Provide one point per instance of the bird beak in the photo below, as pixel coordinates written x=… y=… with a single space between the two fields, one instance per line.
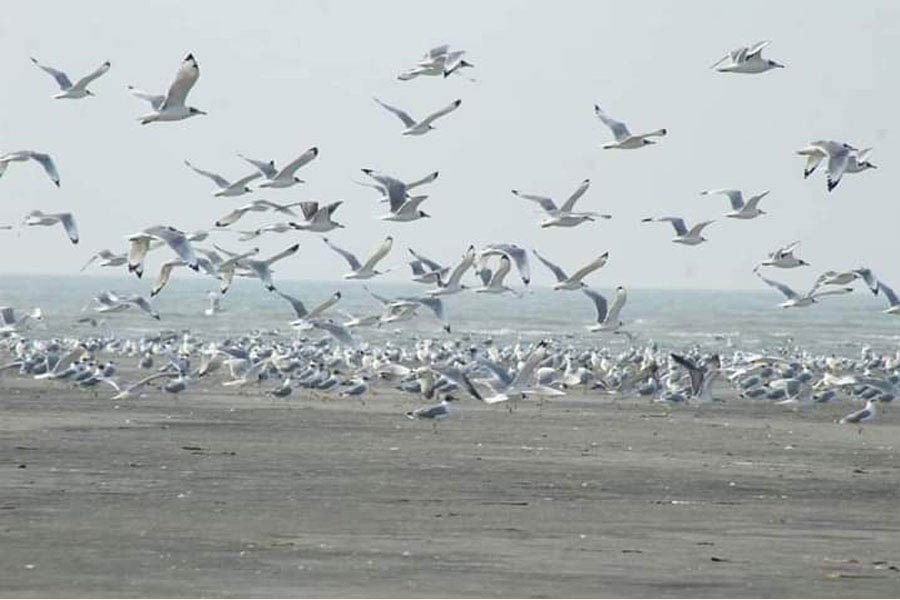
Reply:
x=777 y=65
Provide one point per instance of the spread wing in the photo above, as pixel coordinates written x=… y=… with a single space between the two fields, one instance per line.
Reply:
x=441 y=113
x=619 y=130
x=267 y=168
x=61 y=78
x=283 y=254
x=734 y=196
x=592 y=266
x=217 y=179
x=48 y=164
x=784 y=289
x=296 y=304
x=87 y=79
x=68 y=223
x=677 y=223
x=187 y=76
x=379 y=253
x=156 y=100
x=569 y=204
x=599 y=303
x=403 y=116
x=617 y=304
x=546 y=203
x=555 y=269
x=351 y=260
x=305 y=158
x=696 y=229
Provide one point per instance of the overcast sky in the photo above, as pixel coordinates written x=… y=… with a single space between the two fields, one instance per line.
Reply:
x=280 y=77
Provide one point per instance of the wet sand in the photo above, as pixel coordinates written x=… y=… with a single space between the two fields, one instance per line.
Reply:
x=212 y=493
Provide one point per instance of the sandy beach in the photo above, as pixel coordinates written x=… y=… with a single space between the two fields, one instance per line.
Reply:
x=214 y=493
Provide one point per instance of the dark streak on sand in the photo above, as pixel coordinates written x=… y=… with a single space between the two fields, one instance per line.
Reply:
x=250 y=496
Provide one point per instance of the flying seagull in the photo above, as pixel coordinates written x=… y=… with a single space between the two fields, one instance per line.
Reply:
x=23 y=155
x=172 y=108
x=684 y=236
x=227 y=189
x=70 y=90
x=741 y=209
x=564 y=281
x=39 y=218
x=364 y=270
x=625 y=140
x=563 y=216
x=746 y=59
x=414 y=127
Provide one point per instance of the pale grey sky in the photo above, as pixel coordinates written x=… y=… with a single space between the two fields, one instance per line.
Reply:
x=279 y=77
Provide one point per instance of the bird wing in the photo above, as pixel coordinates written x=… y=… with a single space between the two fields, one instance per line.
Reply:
x=165 y=272
x=677 y=223
x=519 y=256
x=619 y=129
x=546 y=203
x=534 y=359
x=734 y=196
x=784 y=289
x=427 y=179
x=156 y=100
x=87 y=79
x=325 y=304
x=61 y=78
x=351 y=260
x=837 y=164
x=243 y=181
x=754 y=200
x=407 y=120
x=464 y=265
x=569 y=204
x=501 y=272
x=380 y=252
x=888 y=293
x=696 y=229
x=756 y=48
x=599 y=302
x=592 y=266
x=433 y=266
x=177 y=241
x=338 y=332
x=442 y=112
x=617 y=304
x=695 y=372
x=137 y=250
x=283 y=254
x=555 y=269
x=305 y=158
x=218 y=179
x=48 y=164
x=266 y=167
x=68 y=223
x=187 y=76
x=233 y=217
x=309 y=209
x=296 y=304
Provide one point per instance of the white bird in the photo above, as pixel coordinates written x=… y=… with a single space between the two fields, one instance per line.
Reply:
x=563 y=216
x=433 y=413
x=607 y=316
x=783 y=258
x=741 y=209
x=684 y=236
x=702 y=376
x=495 y=285
x=176 y=240
x=70 y=90
x=172 y=108
x=453 y=284
x=317 y=217
x=256 y=206
x=845 y=277
x=515 y=253
x=39 y=157
x=317 y=311
x=227 y=189
x=796 y=300
x=746 y=59
x=108 y=258
x=262 y=268
x=624 y=138
x=286 y=177
x=422 y=127
x=434 y=270
x=863 y=415
x=215 y=304
x=165 y=273
x=39 y=218
x=838 y=154
x=364 y=270
x=564 y=281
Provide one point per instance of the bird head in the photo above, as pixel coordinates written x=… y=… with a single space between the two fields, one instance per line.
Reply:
x=867 y=165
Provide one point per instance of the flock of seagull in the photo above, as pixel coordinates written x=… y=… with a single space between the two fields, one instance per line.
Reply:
x=341 y=363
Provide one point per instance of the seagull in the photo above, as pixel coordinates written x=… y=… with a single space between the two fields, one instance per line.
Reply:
x=172 y=108
x=422 y=127
x=563 y=216
x=262 y=268
x=176 y=240
x=702 y=376
x=607 y=316
x=453 y=285
x=858 y=162
x=39 y=218
x=563 y=281
x=265 y=167
x=227 y=189
x=863 y=415
x=256 y=206
x=515 y=253
x=79 y=89
x=366 y=270
x=317 y=217
x=437 y=61
x=784 y=258
x=434 y=272
x=108 y=258
x=624 y=139
x=404 y=308
x=741 y=209
x=286 y=176
x=893 y=301
x=433 y=413
x=392 y=189
x=838 y=154
x=796 y=300
x=495 y=285
x=688 y=238
x=317 y=311
x=835 y=278
x=746 y=59
x=23 y=155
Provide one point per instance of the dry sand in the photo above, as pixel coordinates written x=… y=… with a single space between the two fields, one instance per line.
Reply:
x=212 y=493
